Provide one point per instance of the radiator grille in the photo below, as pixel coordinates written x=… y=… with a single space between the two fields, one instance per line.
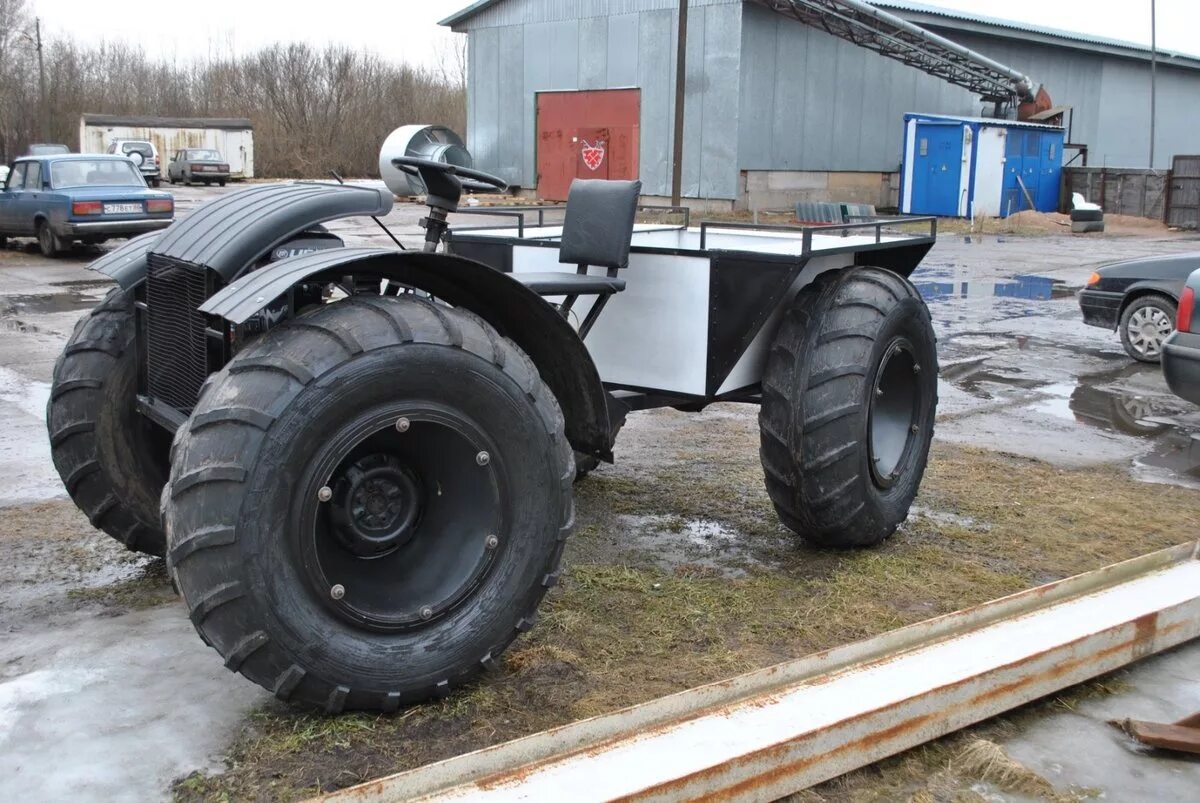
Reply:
x=176 y=343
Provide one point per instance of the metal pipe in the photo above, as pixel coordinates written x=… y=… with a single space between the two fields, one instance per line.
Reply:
x=1021 y=84
x=680 y=87
x=1153 y=77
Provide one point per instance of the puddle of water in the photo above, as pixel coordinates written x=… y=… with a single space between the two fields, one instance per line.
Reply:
x=48 y=303
x=1022 y=286
x=673 y=543
x=1057 y=401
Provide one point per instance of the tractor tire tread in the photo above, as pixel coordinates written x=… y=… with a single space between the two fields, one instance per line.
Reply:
x=204 y=559
x=808 y=431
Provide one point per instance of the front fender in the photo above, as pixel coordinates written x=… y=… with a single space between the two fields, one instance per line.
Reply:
x=232 y=233
x=515 y=311
x=1166 y=287
x=127 y=264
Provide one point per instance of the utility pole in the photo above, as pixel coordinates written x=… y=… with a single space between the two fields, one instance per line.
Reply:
x=680 y=86
x=45 y=112
x=1153 y=76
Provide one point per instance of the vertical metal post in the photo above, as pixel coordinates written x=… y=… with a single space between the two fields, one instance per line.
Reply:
x=680 y=85
x=42 y=107
x=1153 y=76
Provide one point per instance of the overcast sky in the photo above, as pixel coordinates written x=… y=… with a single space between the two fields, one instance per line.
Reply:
x=408 y=30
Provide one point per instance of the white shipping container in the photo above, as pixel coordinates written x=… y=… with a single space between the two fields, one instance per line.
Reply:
x=233 y=137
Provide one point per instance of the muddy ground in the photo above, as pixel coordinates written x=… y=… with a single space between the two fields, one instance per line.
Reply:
x=1054 y=454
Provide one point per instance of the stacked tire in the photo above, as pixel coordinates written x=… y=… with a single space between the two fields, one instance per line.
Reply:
x=1085 y=221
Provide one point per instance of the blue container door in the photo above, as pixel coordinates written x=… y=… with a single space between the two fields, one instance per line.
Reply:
x=1051 y=172
x=937 y=169
x=1022 y=165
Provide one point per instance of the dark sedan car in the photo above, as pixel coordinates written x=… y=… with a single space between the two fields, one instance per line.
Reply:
x=1181 y=352
x=88 y=197
x=198 y=164
x=1138 y=298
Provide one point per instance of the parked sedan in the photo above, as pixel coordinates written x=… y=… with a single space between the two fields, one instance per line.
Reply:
x=88 y=197
x=198 y=164
x=1181 y=352
x=1138 y=298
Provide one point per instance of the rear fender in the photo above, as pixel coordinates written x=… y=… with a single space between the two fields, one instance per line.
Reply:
x=512 y=309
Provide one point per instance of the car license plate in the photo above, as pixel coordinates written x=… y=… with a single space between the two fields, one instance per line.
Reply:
x=122 y=209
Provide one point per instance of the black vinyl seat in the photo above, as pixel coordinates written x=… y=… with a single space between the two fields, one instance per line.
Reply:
x=597 y=233
x=568 y=284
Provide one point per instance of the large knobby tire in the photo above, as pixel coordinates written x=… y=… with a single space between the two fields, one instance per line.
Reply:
x=1145 y=325
x=112 y=460
x=368 y=503
x=849 y=397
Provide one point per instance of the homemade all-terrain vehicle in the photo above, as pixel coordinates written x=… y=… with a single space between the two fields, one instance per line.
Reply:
x=358 y=462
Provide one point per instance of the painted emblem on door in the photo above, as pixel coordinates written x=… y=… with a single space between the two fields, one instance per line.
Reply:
x=593 y=155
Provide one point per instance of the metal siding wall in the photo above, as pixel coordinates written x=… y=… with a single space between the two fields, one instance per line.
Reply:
x=512 y=126
x=693 y=113
x=593 y=53
x=622 y=62
x=483 y=137
x=536 y=76
x=656 y=77
x=722 y=55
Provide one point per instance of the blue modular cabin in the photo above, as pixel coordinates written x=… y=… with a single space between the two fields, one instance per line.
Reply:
x=972 y=166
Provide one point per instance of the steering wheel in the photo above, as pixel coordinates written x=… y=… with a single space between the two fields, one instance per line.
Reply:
x=424 y=168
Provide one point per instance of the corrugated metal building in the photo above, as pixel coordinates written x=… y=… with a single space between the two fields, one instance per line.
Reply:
x=777 y=111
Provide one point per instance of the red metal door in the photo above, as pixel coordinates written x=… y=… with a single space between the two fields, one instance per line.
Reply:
x=587 y=134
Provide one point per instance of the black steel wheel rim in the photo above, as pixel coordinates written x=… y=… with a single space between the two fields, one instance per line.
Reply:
x=402 y=513
x=893 y=423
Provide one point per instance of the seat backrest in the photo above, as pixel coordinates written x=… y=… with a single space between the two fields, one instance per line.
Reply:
x=599 y=223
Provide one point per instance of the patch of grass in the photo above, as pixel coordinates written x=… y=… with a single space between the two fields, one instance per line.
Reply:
x=620 y=630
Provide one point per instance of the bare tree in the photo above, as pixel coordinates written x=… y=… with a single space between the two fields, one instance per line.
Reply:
x=313 y=109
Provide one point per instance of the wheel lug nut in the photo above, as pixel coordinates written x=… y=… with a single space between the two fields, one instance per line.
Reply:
x=402 y=424
x=338 y=591
x=426 y=612
x=915 y=429
x=878 y=391
x=916 y=368
x=325 y=494
x=483 y=458
x=492 y=542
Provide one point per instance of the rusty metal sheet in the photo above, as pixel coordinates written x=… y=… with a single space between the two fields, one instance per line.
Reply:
x=769 y=733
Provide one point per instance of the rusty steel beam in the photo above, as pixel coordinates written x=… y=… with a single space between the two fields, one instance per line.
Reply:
x=773 y=732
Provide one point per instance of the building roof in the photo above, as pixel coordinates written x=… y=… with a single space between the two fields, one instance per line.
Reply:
x=468 y=12
x=961 y=20
x=953 y=18
x=228 y=123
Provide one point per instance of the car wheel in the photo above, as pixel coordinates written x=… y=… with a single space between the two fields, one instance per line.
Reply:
x=1145 y=324
x=155 y=182
x=221 y=183
x=48 y=241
